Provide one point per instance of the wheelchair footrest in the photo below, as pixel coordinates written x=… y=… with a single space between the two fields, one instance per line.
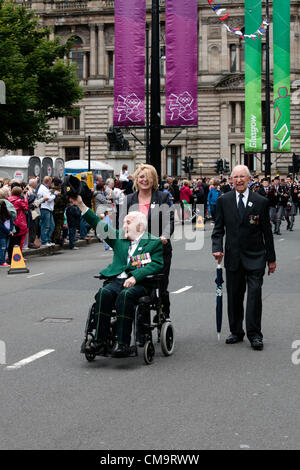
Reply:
x=133 y=351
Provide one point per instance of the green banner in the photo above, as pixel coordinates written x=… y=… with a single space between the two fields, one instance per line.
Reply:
x=282 y=90
x=253 y=112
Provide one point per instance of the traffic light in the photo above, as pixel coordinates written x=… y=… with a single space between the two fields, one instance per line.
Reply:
x=296 y=163
x=185 y=165
x=226 y=167
x=219 y=166
x=191 y=163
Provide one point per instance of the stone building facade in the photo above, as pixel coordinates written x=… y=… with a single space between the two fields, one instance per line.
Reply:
x=221 y=100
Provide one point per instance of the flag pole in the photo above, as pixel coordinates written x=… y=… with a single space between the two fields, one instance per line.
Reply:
x=268 y=105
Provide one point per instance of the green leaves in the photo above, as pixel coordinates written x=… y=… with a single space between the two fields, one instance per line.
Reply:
x=40 y=85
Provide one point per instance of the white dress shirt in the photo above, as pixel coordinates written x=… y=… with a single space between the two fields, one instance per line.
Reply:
x=245 y=198
x=44 y=191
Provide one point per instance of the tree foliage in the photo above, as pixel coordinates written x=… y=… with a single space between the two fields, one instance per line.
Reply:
x=40 y=85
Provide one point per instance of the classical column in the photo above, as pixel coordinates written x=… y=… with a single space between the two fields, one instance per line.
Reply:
x=225 y=54
x=84 y=72
x=93 y=50
x=101 y=50
x=52 y=34
x=224 y=149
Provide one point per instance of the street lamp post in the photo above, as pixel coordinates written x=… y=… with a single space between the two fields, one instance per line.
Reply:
x=155 y=125
x=268 y=111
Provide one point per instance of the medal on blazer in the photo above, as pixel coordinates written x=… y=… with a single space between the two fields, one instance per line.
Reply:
x=254 y=219
x=140 y=260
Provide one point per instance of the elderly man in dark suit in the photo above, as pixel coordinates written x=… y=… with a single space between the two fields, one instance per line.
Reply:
x=249 y=246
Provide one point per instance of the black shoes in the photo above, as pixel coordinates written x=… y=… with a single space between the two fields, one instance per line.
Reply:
x=257 y=344
x=121 y=350
x=233 y=339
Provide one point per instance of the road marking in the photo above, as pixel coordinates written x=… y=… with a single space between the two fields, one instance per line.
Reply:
x=34 y=275
x=281 y=240
x=30 y=359
x=182 y=290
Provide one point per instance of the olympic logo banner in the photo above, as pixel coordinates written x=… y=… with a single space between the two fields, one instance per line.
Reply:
x=282 y=98
x=253 y=111
x=181 y=63
x=130 y=55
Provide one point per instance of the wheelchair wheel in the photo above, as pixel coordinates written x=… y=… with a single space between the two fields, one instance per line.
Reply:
x=90 y=356
x=149 y=352
x=167 y=338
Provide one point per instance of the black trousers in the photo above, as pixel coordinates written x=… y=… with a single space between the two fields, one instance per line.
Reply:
x=111 y=295
x=237 y=282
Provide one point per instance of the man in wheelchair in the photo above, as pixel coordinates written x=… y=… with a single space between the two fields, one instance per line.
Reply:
x=137 y=254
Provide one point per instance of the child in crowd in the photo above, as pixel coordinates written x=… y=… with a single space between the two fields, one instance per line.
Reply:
x=6 y=230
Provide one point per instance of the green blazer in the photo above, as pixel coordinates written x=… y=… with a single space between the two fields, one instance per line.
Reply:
x=115 y=239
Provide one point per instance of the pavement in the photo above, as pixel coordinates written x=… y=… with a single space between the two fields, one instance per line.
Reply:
x=50 y=250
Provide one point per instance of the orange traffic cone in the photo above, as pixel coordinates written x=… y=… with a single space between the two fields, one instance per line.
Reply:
x=17 y=264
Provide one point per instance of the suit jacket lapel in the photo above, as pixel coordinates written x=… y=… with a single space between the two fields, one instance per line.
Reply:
x=124 y=247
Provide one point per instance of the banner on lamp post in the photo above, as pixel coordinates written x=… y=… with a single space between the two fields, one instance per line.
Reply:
x=130 y=54
x=253 y=111
x=181 y=63
x=282 y=98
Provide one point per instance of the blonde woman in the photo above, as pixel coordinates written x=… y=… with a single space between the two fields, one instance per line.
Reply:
x=155 y=205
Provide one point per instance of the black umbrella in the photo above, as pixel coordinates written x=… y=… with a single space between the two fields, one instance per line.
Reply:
x=219 y=305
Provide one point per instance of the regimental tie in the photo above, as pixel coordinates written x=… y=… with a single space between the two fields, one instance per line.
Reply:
x=241 y=206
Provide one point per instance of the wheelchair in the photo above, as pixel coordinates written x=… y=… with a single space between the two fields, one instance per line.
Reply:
x=148 y=317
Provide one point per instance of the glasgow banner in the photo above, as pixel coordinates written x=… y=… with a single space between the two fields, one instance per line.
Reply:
x=129 y=78
x=182 y=62
x=282 y=99
x=253 y=112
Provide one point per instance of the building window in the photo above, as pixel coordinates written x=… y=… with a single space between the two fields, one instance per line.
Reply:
x=233 y=156
x=233 y=58
x=110 y=55
x=174 y=161
x=233 y=117
x=243 y=116
x=72 y=153
x=76 y=55
x=250 y=160
x=72 y=126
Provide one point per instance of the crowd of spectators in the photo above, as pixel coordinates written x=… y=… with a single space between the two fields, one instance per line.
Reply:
x=35 y=214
